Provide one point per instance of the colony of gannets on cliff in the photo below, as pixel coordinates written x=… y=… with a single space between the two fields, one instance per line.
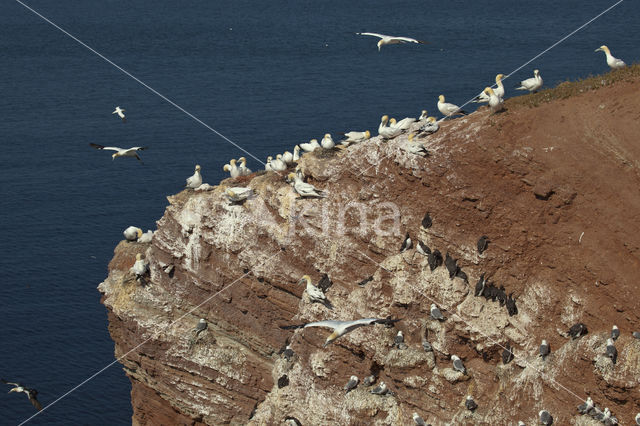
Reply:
x=387 y=39
x=121 y=152
x=614 y=63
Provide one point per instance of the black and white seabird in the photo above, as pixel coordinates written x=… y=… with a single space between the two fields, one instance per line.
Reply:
x=406 y=244
x=545 y=418
x=638 y=419
x=483 y=243
x=479 y=286
x=501 y=295
x=611 y=351
x=121 y=152
x=292 y=421
x=31 y=393
x=451 y=264
x=427 y=346
x=615 y=332
x=507 y=354
x=544 y=349
x=426 y=221
x=419 y=421
x=512 y=309
x=351 y=384
x=283 y=381
x=200 y=327
x=325 y=283
x=462 y=275
x=435 y=313
x=369 y=380
x=316 y=295
x=470 y=403
x=434 y=259
x=398 y=341
x=458 y=365
x=381 y=389
x=423 y=249
x=577 y=330
x=586 y=406
x=288 y=353
x=341 y=328
x=365 y=281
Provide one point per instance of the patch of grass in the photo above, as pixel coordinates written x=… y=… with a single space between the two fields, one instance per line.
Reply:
x=568 y=89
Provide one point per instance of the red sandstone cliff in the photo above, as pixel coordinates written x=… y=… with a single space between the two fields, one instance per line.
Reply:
x=554 y=184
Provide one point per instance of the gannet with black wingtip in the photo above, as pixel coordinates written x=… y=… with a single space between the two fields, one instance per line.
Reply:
x=387 y=39
x=244 y=170
x=196 y=180
x=531 y=84
x=428 y=128
x=140 y=267
x=499 y=91
x=327 y=142
x=415 y=147
x=287 y=157
x=315 y=294
x=340 y=328
x=121 y=152
x=448 y=109
x=614 y=63
x=311 y=146
x=355 y=137
x=238 y=194
x=304 y=189
x=278 y=164
x=31 y=393
x=120 y=112
x=495 y=103
x=387 y=132
x=132 y=233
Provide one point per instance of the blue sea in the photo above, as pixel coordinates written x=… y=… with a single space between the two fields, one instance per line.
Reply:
x=267 y=75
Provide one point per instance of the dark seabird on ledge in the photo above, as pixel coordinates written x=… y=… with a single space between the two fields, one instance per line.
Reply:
x=434 y=259
x=611 y=351
x=544 y=349
x=577 y=330
x=507 y=354
x=512 y=309
x=31 y=393
x=451 y=264
x=423 y=249
x=545 y=418
x=462 y=275
x=470 y=403
x=483 y=243
x=351 y=384
x=615 y=332
x=426 y=221
x=325 y=283
x=200 y=327
x=479 y=286
x=406 y=243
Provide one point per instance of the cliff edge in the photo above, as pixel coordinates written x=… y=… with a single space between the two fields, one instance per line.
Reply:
x=553 y=182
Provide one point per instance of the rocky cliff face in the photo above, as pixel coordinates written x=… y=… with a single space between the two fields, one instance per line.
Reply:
x=555 y=186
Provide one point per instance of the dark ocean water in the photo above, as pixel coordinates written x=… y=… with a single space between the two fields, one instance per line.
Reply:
x=267 y=75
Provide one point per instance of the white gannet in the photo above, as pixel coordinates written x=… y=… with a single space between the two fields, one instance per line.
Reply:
x=614 y=63
x=431 y=126
x=351 y=384
x=31 y=393
x=120 y=112
x=495 y=103
x=196 y=180
x=267 y=166
x=244 y=170
x=132 y=233
x=458 y=365
x=385 y=131
x=278 y=164
x=232 y=168
x=499 y=91
x=415 y=147
x=435 y=313
x=304 y=189
x=315 y=294
x=404 y=124
x=311 y=146
x=147 y=237
x=341 y=328
x=448 y=109
x=531 y=84
x=287 y=157
x=296 y=153
x=327 y=142
x=355 y=137
x=140 y=267
x=423 y=115
x=238 y=194
x=121 y=152
x=387 y=39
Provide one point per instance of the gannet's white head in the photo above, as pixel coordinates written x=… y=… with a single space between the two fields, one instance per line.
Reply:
x=333 y=336
x=313 y=141
x=139 y=232
x=226 y=168
x=367 y=134
x=279 y=156
x=291 y=177
x=431 y=119
x=327 y=135
x=536 y=72
x=603 y=48
x=488 y=91
x=441 y=98
x=499 y=77
x=392 y=121
x=305 y=278
x=232 y=162
x=242 y=160
x=197 y=167
x=424 y=113
x=269 y=158
x=384 y=118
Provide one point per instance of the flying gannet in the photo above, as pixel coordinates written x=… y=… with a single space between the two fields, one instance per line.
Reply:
x=327 y=142
x=311 y=146
x=304 y=189
x=355 y=137
x=531 y=84
x=315 y=294
x=244 y=170
x=340 y=328
x=238 y=194
x=121 y=152
x=351 y=384
x=614 y=63
x=385 y=131
x=448 y=109
x=196 y=180
x=386 y=39
x=120 y=112
x=495 y=102
x=545 y=418
x=499 y=91
x=132 y=233
x=31 y=393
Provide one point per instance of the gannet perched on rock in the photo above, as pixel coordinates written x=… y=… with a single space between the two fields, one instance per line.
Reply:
x=387 y=39
x=351 y=384
x=296 y=153
x=315 y=294
x=499 y=91
x=267 y=165
x=120 y=112
x=232 y=169
x=531 y=84
x=278 y=165
x=121 y=152
x=238 y=194
x=495 y=102
x=244 y=170
x=287 y=157
x=304 y=189
x=31 y=393
x=140 y=267
x=340 y=328
x=196 y=180
x=448 y=109
x=431 y=126
x=404 y=124
x=311 y=146
x=458 y=365
x=355 y=137
x=423 y=115
x=132 y=233
x=385 y=131
x=146 y=238
x=545 y=418
x=327 y=142
x=614 y=63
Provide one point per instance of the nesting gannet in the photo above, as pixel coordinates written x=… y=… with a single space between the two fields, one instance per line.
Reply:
x=406 y=243
x=495 y=102
x=483 y=243
x=577 y=330
x=419 y=421
x=611 y=351
x=415 y=148
x=311 y=146
x=238 y=194
x=422 y=248
x=147 y=237
x=351 y=384
x=614 y=63
x=545 y=418
x=615 y=332
x=232 y=168
x=531 y=84
x=448 y=109
x=457 y=364
x=385 y=131
x=121 y=152
x=586 y=406
x=499 y=91
x=404 y=124
x=287 y=157
x=200 y=327
x=278 y=164
x=296 y=153
x=31 y=393
x=544 y=349
x=387 y=39
x=470 y=403
x=340 y=328
x=435 y=313
x=132 y=233
x=381 y=389
x=304 y=189
x=315 y=294
x=140 y=267
x=426 y=221
x=120 y=112
x=267 y=165
x=434 y=259
x=327 y=142
x=355 y=137
x=507 y=354
x=244 y=170
x=423 y=115
x=428 y=128
x=196 y=180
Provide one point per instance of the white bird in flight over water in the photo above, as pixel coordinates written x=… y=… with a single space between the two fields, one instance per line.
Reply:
x=121 y=152
x=120 y=112
x=531 y=84
x=614 y=63
x=387 y=39
x=31 y=393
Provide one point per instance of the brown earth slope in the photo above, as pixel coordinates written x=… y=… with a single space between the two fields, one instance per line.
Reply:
x=554 y=182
